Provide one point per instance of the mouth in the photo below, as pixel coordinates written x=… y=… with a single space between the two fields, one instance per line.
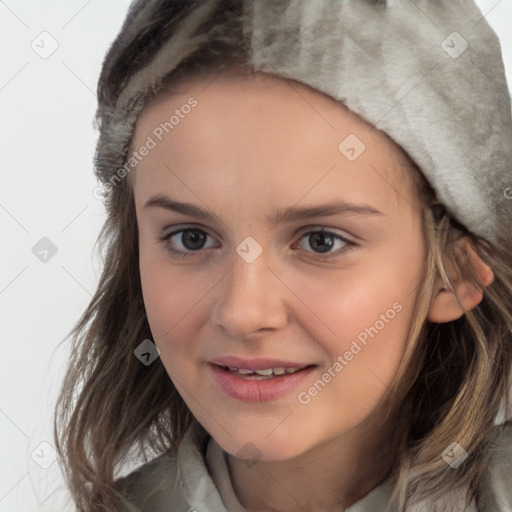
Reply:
x=264 y=373
x=262 y=384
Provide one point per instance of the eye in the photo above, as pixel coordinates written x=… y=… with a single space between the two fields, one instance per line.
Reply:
x=192 y=239
x=324 y=241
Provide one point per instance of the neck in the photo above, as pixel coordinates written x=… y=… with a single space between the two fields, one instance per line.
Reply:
x=329 y=477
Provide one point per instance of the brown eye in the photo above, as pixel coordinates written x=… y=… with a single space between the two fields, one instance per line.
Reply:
x=321 y=242
x=186 y=241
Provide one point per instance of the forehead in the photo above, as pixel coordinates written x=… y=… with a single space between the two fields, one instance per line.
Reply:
x=257 y=122
x=270 y=96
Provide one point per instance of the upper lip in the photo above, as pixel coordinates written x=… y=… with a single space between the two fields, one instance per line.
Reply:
x=256 y=364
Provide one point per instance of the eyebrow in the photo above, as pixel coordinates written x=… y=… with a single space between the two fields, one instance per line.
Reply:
x=293 y=213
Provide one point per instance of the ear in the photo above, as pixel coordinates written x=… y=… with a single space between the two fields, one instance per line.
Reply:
x=444 y=306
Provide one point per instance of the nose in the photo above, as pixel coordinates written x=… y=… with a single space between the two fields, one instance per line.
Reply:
x=251 y=298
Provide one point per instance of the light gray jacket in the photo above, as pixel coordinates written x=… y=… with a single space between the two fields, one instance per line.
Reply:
x=185 y=484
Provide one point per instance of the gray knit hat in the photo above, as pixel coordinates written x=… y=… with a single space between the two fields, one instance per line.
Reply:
x=428 y=73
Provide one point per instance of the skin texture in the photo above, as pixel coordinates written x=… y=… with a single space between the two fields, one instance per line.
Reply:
x=251 y=146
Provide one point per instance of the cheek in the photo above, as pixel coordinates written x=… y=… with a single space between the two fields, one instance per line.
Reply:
x=173 y=299
x=355 y=304
x=364 y=331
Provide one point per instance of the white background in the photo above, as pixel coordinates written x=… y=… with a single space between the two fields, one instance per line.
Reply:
x=47 y=140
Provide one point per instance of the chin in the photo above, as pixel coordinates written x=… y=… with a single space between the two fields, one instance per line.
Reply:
x=259 y=447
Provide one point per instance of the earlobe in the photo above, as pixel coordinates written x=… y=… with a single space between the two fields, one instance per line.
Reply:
x=445 y=307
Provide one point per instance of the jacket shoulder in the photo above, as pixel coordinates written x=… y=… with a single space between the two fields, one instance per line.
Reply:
x=496 y=486
x=153 y=486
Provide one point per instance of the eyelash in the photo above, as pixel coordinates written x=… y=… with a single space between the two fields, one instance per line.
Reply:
x=165 y=239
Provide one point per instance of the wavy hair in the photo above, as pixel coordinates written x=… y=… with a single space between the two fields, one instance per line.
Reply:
x=454 y=378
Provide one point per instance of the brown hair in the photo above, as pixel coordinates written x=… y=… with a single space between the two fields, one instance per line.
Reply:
x=112 y=408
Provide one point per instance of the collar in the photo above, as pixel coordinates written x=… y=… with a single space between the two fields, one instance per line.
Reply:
x=202 y=466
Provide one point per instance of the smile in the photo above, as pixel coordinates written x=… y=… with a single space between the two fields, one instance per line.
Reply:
x=261 y=385
x=268 y=373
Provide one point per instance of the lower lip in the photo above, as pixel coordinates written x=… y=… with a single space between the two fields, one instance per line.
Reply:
x=249 y=390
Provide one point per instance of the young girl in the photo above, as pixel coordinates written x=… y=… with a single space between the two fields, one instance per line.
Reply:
x=307 y=295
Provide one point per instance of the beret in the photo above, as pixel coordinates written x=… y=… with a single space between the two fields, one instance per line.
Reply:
x=428 y=73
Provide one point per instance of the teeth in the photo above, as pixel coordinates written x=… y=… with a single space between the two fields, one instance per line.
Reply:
x=246 y=372
x=265 y=372
x=269 y=371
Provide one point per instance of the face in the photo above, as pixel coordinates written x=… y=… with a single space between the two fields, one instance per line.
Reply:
x=331 y=292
